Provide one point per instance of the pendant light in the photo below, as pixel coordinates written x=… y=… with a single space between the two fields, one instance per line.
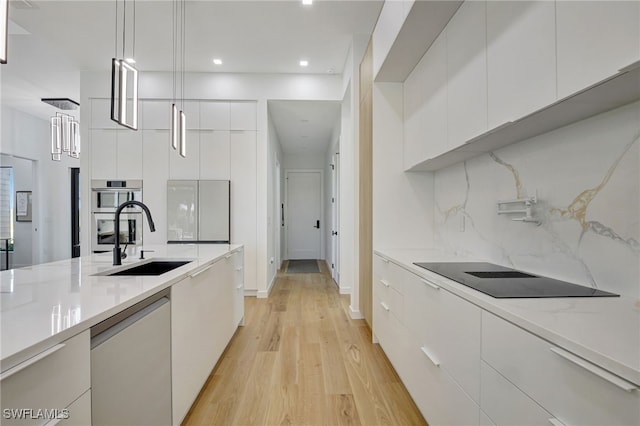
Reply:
x=124 y=77
x=4 y=30
x=65 y=136
x=179 y=118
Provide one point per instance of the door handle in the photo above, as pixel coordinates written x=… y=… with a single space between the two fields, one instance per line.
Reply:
x=334 y=232
x=317 y=225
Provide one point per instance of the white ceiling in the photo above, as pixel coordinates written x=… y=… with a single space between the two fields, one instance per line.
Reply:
x=52 y=41
x=305 y=126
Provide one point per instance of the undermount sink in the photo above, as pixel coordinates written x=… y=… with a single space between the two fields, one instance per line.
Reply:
x=154 y=267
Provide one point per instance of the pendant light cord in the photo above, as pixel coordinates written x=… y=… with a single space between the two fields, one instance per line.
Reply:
x=124 y=25
x=175 y=46
x=184 y=20
x=134 y=30
x=115 y=54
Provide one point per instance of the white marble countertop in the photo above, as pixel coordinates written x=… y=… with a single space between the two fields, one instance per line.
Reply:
x=42 y=305
x=603 y=330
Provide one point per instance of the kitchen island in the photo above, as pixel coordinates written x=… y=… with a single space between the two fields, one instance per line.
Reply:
x=49 y=309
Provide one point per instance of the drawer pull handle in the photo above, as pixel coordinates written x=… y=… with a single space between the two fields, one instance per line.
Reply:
x=10 y=372
x=385 y=283
x=433 y=359
x=228 y=256
x=239 y=287
x=432 y=285
x=385 y=260
x=556 y=422
x=239 y=269
x=384 y=306
x=195 y=274
x=598 y=371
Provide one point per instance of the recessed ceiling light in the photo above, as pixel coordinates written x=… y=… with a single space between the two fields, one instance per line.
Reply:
x=130 y=61
x=307 y=2
x=304 y=63
x=217 y=61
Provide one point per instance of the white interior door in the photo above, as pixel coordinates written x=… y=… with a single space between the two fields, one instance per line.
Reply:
x=335 y=222
x=304 y=211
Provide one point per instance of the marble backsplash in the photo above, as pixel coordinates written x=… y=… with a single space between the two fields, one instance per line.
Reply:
x=586 y=178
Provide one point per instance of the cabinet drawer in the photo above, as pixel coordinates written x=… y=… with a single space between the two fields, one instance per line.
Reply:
x=79 y=412
x=448 y=327
x=439 y=397
x=50 y=380
x=505 y=404
x=388 y=271
x=574 y=394
x=389 y=298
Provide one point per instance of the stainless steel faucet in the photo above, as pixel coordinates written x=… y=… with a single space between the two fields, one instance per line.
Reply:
x=117 y=255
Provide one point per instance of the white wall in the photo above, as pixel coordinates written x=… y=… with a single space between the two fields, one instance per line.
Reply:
x=314 y=160
x=586 y=177
x=275 y=232
x=28 y=137
x=258 y=87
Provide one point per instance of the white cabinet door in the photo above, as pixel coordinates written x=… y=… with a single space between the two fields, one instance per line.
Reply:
x=79 y=412
x=507 y=405
x=129 y=154
x=186 y=167
x=434 y=111
x=243 y=200
x=101 y=115
x=192 y=112
x=521 y=58
x=447 y=328
x=202 y=323
x=243 y=116
x=215 y=155
x=155 y=172
x=52 y=379
x=215 y=115
x=103 y=154
x=573 y=390
x=156 y=115
x=414 y=144
x=238 y=269
x=467 y=73
x=595 y=40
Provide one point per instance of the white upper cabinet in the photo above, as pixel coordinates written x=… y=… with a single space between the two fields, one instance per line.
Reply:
x=595 y=40
x=434 y=110
x=101 y=114
x=156 y=115
x=192 y=112
x=103 y=154
x=186 y=167
x=243 y=116
x=521 y=58
x=155 y=164
x=467 y=73
x=215 y=155
x=215 y=115
x=129 y=154
x=414 y=145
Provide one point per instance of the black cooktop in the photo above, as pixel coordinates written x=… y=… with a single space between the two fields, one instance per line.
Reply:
x=504 y=283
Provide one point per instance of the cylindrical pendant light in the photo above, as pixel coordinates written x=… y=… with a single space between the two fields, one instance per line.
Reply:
x=183 y=134
x=56 y=138
x=174 y=126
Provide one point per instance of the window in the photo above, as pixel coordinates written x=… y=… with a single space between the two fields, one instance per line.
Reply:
x=6 y=207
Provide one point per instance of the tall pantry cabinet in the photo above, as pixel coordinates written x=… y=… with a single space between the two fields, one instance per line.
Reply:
x=221 y=145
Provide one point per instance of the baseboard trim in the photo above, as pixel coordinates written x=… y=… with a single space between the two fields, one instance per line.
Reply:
x=263 y=294
x=250 y=293
x=345 y=290
x=355 y=313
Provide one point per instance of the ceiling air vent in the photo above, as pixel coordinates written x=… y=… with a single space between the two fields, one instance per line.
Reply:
x=61 y=103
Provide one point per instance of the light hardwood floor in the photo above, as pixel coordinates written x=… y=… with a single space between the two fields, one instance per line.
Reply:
x=301 y=360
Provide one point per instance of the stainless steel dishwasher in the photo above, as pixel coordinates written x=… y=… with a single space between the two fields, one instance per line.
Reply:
x=131 y=366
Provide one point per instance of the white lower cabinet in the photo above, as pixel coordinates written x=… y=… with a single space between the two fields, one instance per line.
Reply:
x=464 y=365
x=79 y=412
x=51 y=380
x=573 y=390
x=202 y=323
x=440 y=372
x=505 y=404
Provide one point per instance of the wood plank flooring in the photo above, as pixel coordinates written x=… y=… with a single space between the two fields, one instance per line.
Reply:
x=301 y=360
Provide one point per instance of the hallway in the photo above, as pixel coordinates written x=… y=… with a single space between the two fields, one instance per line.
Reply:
x=300 y=359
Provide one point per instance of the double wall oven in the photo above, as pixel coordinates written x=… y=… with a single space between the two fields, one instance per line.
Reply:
x=106 y=196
